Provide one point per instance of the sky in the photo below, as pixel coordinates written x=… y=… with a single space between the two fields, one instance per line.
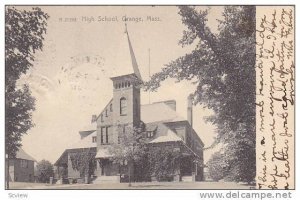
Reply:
x=70 y=78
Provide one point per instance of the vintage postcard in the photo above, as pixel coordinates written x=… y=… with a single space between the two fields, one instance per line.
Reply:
x=149 y=97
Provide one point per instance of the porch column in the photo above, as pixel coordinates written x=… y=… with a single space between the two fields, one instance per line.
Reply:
x=194 y=170
x=99 y=168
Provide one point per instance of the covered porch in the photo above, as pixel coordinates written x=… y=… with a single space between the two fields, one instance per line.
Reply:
x=75 y=165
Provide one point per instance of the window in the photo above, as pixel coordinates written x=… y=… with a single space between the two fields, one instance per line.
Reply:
x=123 y=162
x=123 y=106
x=94 y=139
x=110 y=108
x=124 y=128
x=150 y=134
x=106 y=135
x=102 y=133
x=24 y=163
x=106 y=113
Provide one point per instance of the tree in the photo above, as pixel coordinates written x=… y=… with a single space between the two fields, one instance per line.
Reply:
x=44 y=171
x=217 y=166
x=163 y=161
x=223 y=67
x=83 y=160
x=131 y=147
x=24 y=32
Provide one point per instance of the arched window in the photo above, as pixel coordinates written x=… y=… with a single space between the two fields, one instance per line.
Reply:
x=123 y=106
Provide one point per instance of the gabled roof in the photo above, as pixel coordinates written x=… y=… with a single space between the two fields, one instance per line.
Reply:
x=151 y=113
x=85 y=142
x=90 y=127
x=21 y=154
x=169 y=137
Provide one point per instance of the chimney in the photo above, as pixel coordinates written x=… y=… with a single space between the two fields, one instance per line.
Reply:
x=190 y=110
x=94 y=118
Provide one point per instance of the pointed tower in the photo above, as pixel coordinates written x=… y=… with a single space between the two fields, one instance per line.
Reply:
x=126 y=88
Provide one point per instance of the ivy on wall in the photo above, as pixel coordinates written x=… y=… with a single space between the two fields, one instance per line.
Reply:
x=83 y=161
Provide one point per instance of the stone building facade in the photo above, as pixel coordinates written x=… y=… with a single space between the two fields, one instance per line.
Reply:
x=165 y=128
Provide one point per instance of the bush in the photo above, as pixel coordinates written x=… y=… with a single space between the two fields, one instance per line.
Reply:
x=217 y=167
x=44 y=171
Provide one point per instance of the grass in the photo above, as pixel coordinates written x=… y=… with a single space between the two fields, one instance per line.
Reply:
x=135 y=186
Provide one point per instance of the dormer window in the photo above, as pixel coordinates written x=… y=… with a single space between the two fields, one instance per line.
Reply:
x=150 y=134
x=123 y=106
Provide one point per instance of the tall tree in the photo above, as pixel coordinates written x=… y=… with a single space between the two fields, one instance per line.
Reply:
x=130 y=149
x=24 y=31
x=223 y=67
x=162 y=162
x=44 y=171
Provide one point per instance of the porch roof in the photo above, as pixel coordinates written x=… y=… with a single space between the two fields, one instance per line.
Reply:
x=103 y=153
x=169 y=137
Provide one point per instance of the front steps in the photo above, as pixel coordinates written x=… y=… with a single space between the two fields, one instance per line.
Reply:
x=112 y=179
x=187 y=178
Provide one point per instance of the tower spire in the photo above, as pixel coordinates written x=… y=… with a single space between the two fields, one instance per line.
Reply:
x=133 y=59
x=124 y=58
x=126 y=28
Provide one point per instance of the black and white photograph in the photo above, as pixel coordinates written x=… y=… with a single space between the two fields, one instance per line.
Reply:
x=149 y=97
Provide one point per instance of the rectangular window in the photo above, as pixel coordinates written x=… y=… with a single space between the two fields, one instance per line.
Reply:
x=150 y=134
x=106 y=135
x=102 y=132
x=24 y=163
x=94 y=138
x=123 y=106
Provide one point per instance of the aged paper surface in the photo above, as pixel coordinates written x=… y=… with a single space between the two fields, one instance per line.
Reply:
x=70 y=80
x=275 y=97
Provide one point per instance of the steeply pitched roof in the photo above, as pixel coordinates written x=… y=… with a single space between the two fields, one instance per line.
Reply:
x=90 y=127
x=158 y=112
x=21 y=154
x=125 y=61
x=169 y=137
x=85 y=142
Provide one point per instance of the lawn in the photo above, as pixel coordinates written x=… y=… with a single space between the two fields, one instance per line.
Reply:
x=135 y=186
